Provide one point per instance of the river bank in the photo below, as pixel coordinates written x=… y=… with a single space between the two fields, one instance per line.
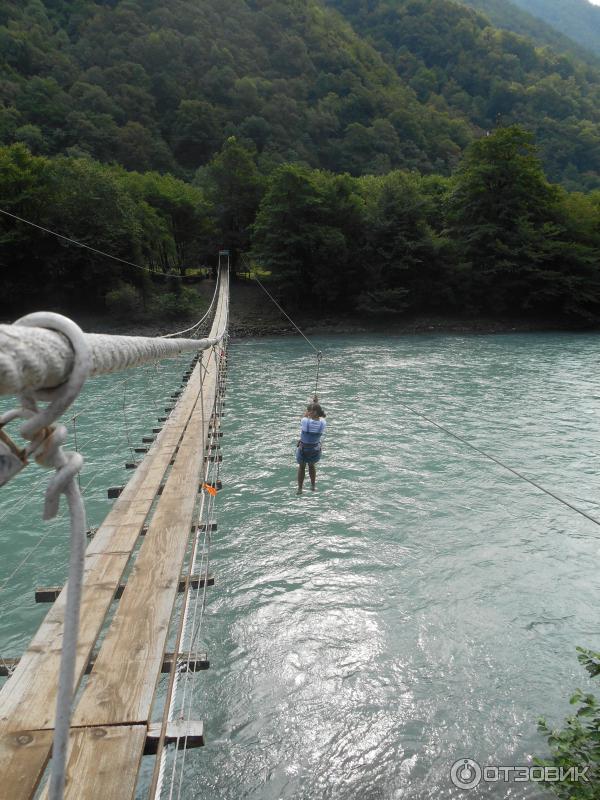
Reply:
x=253 y=314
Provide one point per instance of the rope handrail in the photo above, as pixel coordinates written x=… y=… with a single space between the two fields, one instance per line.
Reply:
x=39 y=358
x=194 y=328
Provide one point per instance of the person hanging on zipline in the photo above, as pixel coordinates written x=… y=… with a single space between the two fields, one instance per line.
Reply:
x=308 y=450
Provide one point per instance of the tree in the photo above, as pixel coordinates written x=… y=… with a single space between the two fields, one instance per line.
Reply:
x=401 y=253
x=234 y=187
x=501 y=211
x=196 y=133
x=185 y=218
x=306 y=233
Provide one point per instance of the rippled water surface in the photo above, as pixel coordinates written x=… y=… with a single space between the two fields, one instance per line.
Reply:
x=422 y=606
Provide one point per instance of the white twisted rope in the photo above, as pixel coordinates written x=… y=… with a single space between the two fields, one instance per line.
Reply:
x=194 y=328
x=33 y=358
x=45 y=445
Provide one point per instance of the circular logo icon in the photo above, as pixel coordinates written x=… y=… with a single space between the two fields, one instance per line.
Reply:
x=465 y=773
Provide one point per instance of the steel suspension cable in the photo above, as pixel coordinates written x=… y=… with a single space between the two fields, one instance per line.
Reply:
x=500 y=463
x=86 y=246
x=318 y=352
x=196 y=627
x=285 y=314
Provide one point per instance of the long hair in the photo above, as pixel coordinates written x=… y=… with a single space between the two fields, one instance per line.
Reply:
x=315 y=408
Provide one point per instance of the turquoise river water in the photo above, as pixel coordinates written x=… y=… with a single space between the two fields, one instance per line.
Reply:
x=422 y=606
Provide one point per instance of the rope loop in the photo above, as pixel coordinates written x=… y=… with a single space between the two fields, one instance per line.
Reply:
x=46 y=438
x=64 y=395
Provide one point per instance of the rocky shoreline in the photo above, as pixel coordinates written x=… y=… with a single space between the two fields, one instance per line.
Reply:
x=413 y=326
x=259 y=327
x=253 y=315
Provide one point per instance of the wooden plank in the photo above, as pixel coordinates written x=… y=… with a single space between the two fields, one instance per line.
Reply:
x=121 y=687
x=187 y=734
x=27 y=700
x=193 y=662
x=23 y=759
x=48 y=594
x=103 y=763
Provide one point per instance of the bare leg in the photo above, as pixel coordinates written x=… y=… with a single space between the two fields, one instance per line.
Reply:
x=312 y=472
x=301 y=473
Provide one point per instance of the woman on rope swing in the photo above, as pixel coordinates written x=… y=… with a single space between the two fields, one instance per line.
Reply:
x=308 y=450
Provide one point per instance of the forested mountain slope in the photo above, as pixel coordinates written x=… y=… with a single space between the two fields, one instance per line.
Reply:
x=509 y=15
x=453 y=59
x=383 y=84
x=162 y=86
x=578 y=19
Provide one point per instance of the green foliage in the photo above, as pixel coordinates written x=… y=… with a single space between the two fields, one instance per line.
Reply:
x=401 y=254
x=163 y=87
x=578 y=19
x=496 y=238
x=380 y=86
x=234 y=187
x=366 y=243
x=516 y=250
x=514 y=16
x=156 y=221
x=179 y=219
x=577 y=744
x=454 y=59
x=305 y=231
x=177 y=305
x=124 y=302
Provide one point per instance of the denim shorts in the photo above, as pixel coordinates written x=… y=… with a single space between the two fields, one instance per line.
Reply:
x=308 y=454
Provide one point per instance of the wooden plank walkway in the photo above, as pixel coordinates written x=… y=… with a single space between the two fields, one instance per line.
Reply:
x=110 y=722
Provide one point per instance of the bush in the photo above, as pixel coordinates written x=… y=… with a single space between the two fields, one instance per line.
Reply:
x=577 y=745
x=175 y=305
x=124 y=302
x=384 y=302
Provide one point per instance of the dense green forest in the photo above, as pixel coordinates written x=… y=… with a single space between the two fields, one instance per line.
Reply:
x=378 y=157
x=514 y=17
x=380 y=85
x=578 y=19
x=453 y=59
x=496 y=237
x=163 y=86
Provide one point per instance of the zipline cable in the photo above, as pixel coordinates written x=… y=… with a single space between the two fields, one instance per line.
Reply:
x=86 y=246
x=319 y=357
x=266 y=291
x=500 y=463
x=287 y=316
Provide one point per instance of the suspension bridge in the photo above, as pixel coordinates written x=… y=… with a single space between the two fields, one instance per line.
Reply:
x=86 y=703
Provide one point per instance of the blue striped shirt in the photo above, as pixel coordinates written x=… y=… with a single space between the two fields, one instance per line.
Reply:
x=311 y=430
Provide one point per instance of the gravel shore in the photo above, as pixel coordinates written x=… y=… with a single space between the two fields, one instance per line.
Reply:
x=252 y=314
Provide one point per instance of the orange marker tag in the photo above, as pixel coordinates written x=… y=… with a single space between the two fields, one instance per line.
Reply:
x=210 y=489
